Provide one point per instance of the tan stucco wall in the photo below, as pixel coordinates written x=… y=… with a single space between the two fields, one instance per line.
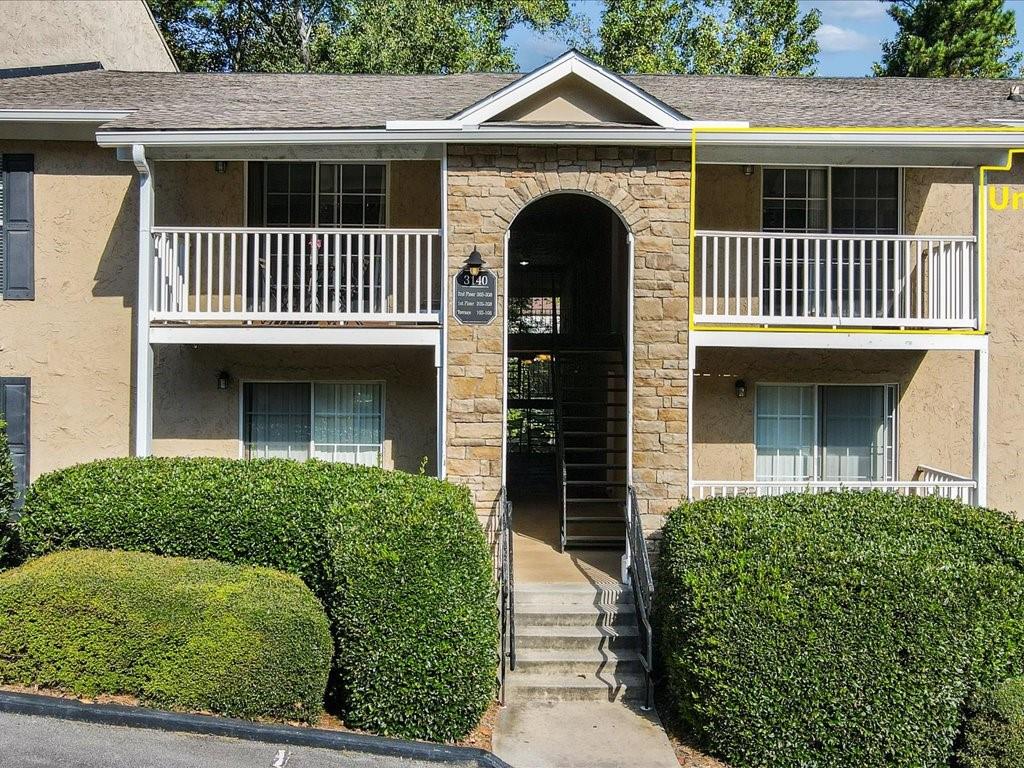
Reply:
x=120 y=34
x=571 y=100
x=194 y=418
x=935 y=414
x=415 y=196
x=1005 y=266
x=75 y=339
x=727 y=198
x=193 y=194
x=938 y=201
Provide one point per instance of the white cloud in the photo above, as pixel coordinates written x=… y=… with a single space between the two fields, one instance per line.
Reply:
x=861 y=10
x=833 y=39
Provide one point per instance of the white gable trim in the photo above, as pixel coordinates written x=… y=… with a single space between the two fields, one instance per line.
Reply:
x=572 y=63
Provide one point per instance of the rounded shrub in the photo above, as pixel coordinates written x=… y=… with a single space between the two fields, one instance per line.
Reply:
x=399 y=561
x=415 y=611
x=841 y=629
x=193 y=635
x=994 y=734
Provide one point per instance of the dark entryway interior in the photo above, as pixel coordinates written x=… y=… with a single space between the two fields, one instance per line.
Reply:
x=567 y=329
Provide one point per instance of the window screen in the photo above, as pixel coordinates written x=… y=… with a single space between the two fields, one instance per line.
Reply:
x=332 y=422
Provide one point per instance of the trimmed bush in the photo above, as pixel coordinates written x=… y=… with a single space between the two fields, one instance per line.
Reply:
x=414 y=611
x=838 y=629
x=994 y=734
x=176 y=633
x=399 y=561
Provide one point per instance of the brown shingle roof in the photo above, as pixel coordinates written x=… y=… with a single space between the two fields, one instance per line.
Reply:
x=181 y=101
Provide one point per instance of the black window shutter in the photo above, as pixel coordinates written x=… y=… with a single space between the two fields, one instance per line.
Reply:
x=19 y=224
x=255 y=194
x=15 y=397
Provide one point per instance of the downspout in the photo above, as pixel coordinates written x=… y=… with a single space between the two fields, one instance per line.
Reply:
x=143 y=349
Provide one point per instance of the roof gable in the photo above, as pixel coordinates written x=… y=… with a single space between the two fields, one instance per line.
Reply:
x=574 y=87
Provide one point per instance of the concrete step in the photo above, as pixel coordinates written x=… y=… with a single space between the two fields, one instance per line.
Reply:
x=560 y=615
x=592 y=662
x=576 y=638
x=548 y=595
x=550 y=687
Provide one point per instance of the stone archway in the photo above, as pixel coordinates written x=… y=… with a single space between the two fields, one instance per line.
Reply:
x=488 y=185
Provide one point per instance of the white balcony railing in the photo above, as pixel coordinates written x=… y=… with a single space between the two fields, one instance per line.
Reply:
x=930 y=482
x=296 y=275
x=906 y=281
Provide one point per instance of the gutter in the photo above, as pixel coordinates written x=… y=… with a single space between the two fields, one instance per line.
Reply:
x=212 y=725
x=709 y=134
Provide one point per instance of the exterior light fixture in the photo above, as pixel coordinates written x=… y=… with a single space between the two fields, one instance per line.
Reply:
x=741 y=388
x=475 y=262
x=220 y=166
x=223 y=380
x=748 y=170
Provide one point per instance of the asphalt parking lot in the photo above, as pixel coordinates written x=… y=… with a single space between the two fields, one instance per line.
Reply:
x=27 y=741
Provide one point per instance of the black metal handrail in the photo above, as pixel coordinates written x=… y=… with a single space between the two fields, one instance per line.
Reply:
x=559 y=448
x=507 y=595
x=641 y=581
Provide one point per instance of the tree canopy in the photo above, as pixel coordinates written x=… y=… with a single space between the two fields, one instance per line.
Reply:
x=375 y=36
x=748 y=37
x=950 y=38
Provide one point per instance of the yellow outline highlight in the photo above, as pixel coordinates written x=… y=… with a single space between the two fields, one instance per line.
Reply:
x=982 y=227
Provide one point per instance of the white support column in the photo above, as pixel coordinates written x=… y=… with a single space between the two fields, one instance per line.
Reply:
x=442 y=350
x=981 y=424
x=691 y=362
x=630 y=303
x=143 y=349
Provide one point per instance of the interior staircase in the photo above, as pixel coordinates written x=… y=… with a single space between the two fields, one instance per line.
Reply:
x=591 y=426
x=576 y=643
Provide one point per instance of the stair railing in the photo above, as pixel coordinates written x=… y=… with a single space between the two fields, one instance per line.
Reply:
x=507 y=594
x=556 y=371
x=641 y=581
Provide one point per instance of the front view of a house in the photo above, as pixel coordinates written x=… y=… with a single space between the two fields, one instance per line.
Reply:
x=567 y=284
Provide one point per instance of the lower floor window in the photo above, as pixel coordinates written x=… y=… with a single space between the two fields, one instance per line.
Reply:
x=830 y=433
x=299 y=420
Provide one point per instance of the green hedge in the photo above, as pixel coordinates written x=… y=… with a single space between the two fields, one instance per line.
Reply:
x=6 y=475
x=838 y=629
x=994 y=734
x=399 y=561
x=176 y=633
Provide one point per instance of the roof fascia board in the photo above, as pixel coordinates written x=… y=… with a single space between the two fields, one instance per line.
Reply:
x=648 y=136
x=98 y=116
x=570 y=63
x=867 y=137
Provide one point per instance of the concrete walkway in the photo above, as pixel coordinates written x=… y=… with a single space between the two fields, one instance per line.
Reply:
x=546 y=729
x=583 y=734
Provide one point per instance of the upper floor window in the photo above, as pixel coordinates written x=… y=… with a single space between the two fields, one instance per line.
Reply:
x=862 y=201
x=320 y=194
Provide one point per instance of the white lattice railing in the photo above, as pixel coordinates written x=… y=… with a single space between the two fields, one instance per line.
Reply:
x=896 y=281
x=931 y=482
x=296 y=275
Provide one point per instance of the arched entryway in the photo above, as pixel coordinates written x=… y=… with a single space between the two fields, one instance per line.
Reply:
x=567 y=431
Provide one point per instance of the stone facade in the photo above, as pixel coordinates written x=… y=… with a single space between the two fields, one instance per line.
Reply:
x=650 y=190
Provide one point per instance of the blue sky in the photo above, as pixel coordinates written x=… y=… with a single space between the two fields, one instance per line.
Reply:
x=851 y=34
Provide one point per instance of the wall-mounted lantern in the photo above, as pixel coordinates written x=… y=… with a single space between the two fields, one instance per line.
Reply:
x=741 y=388
x=475 y=262
x=223 y=380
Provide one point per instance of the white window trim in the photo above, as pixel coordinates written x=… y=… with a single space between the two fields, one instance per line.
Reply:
x=900 y=202
x=316 y=189
x=312 y=383
x=817 y=448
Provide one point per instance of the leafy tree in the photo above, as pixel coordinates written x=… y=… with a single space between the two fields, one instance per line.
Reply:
x=644 y=35
x=757 y=37
x=950 y=38
x=749 y=37
x=377 y=36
